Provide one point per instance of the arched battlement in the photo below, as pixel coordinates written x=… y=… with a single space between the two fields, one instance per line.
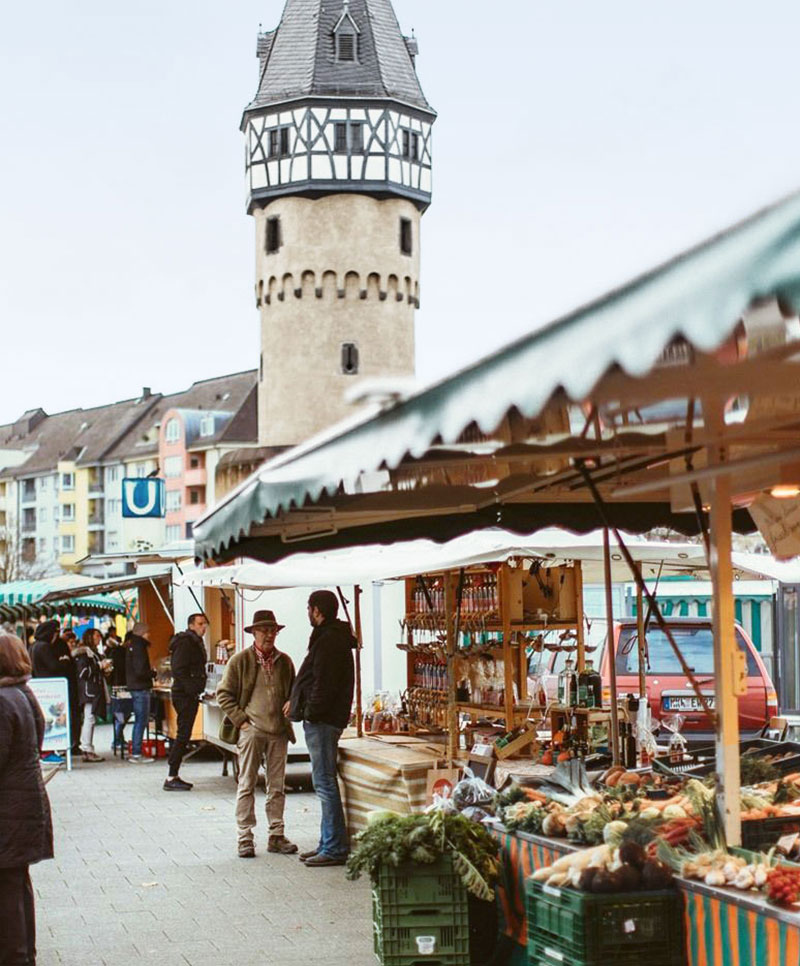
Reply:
x=329 y=285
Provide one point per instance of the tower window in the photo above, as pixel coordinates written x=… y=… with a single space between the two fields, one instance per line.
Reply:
x=349 y=359
x=348 y=134
x=279 y=142
x=410 y=145
x=406 y=238
x=345 y=47
x=273 y=235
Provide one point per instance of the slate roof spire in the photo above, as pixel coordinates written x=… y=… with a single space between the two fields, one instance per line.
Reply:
x=299 y=58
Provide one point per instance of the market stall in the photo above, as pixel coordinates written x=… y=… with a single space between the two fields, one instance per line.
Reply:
x=649 y=408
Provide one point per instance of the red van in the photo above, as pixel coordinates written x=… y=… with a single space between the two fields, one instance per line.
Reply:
x=668 y=688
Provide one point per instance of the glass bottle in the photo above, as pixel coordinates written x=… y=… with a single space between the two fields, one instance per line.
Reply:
x=568 y=685
x=590 y=687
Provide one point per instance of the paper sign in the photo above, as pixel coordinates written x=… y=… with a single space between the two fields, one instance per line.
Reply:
x=779 y=523
x=53 y=697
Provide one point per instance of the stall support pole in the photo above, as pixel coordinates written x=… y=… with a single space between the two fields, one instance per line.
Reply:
x=508 y=652
x=359 y=645
x=580 y=631
x=725 y=648
x=612 y=656
x=450 y=650
x=640 y=632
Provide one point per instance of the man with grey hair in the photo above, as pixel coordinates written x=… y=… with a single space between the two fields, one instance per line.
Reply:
x=139 y=677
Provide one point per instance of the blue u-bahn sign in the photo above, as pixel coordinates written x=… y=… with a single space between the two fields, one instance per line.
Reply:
x=144 y=497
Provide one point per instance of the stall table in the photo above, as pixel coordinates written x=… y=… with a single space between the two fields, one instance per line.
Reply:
x=723 y=927
x=378 y=773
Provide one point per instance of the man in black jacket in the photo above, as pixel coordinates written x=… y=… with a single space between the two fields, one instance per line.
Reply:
x=188 y=658
x=139 y=679
x=321 y=698
x=51 y=658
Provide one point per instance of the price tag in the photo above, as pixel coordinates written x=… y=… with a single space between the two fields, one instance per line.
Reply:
x=553 y=954
x=629 y=926
x=551 y=891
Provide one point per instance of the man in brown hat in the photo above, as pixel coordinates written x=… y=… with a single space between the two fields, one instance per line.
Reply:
x=253 y=694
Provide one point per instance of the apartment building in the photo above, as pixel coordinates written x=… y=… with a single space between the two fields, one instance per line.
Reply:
x=61 y=475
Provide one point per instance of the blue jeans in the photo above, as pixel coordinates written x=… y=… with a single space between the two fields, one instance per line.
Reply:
x=141 y=717
x=322 y=741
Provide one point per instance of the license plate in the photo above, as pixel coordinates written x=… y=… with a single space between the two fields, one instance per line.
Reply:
x=681 y=703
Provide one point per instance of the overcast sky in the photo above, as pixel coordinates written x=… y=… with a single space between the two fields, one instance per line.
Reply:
x=577 y=144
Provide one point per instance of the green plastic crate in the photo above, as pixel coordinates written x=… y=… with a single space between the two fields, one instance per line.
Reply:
x=412 y=884
x=396 y=935
x=597 y=930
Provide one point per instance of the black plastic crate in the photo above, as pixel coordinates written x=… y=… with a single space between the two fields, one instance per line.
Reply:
x=396 y=935
x=590 y=928
x=761 y=834
x=413 y=884
x=546 y=954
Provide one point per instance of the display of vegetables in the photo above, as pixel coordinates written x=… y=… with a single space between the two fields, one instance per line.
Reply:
x=606 y=869
x=393 y=839
x=783 y=885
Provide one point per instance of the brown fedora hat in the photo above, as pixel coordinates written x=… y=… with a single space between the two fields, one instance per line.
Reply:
x=264 y=618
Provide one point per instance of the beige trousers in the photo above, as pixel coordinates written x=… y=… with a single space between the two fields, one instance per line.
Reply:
x=256 y=747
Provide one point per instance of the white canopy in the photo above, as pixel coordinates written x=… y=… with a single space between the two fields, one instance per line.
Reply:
x=364 y=564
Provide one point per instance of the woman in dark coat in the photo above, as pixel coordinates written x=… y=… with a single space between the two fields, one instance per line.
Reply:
x=91 y=690
x=26 y=831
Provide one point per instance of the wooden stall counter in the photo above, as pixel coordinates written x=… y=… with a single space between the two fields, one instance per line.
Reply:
x=384 y=773
x=170 y=725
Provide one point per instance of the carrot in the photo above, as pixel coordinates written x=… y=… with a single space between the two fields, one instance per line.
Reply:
x=534 y=795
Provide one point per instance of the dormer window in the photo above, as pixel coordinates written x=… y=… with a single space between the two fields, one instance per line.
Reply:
x=345 y=37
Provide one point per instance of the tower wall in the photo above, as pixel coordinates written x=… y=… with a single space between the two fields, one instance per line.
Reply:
x=338 y=277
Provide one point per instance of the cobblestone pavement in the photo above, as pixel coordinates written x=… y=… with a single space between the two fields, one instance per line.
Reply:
x=146 y=876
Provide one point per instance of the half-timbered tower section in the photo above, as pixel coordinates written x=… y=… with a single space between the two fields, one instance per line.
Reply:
x=338 y=159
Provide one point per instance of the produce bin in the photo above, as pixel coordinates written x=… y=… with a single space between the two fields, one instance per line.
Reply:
x=759 y=835
x=397 y=932
x=412 y=884
x=588 y=929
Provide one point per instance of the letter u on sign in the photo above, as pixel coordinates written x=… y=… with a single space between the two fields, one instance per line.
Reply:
x=143 y=498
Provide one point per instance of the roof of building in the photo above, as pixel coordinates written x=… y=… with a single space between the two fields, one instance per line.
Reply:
x=298 y=58
x=127 y=429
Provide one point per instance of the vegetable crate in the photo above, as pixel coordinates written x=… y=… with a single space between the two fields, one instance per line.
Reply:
x=397 y=932
x=414 y=884
x=760 y=835
x=569 y=927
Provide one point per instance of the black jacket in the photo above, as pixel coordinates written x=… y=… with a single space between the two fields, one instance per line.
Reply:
x=323 y=689
x=91 y=681
x=116 y=653
x=54 y=660
x=26 y=830
x=188 y=662
x=138 y=672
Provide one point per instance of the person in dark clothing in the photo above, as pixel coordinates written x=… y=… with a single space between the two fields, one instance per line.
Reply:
x=91 y=690
x=321 y=698
x=188 y=658
x=139 y=675
x=51 y=658
x=26 y=831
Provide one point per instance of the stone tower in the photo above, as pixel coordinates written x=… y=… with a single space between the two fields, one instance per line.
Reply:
x=338 y=157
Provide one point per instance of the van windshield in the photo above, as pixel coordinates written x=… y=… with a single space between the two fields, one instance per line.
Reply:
x=696 y=644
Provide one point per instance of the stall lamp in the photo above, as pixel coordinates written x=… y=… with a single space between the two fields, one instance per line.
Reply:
x=785 y=491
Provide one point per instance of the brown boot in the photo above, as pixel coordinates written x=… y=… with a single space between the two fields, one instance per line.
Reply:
x=279 y=843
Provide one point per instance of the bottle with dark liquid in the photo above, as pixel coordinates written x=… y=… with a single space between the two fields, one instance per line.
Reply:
x=590 y=687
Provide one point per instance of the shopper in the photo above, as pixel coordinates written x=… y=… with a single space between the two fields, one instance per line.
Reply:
x=91 y=690
x=321 y=698
x=253 y=694
x=139 y=677
x=26 y=832
x=51 y=658
x=188 y=662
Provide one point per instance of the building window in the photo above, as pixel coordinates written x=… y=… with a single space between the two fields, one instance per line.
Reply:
x=207 y=425
x=173 y=467
x=56 y=511
x=173 y=500
x=194 y=497
x=410 y=145
x=273 y=236
x=67 y=481
x=406 y=237
x=172 y=433
x=194 y=462
x=67 y=543
x=279 y=142
x=348 y=135
x=113 y=540
x=173 y=533
x=42 y=546
x=112 y=474
x=346 y=47
x=42 y=514
x=68 y=512
x=349 y=358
